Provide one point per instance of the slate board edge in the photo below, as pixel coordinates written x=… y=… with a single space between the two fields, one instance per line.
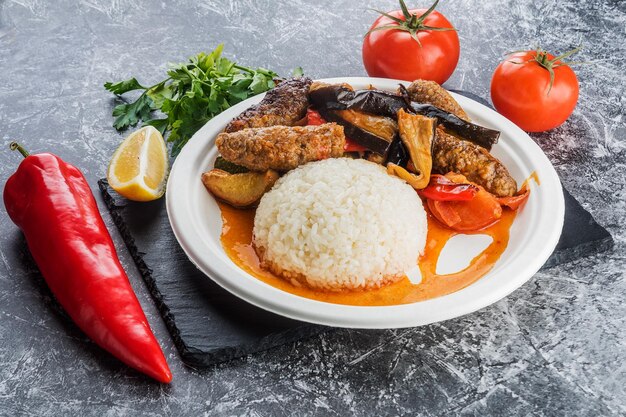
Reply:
x=192 y=356
x=145 y=272
x=573 y=254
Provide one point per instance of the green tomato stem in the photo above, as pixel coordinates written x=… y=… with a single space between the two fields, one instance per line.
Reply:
x=412 y=23
x=549 y=64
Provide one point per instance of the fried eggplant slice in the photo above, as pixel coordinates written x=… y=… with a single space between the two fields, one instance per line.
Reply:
x=423 y=91
x=383 y=103
x=239 y=190
x=281 y=148
x=373 y=132
x=283 y=105
x=383 y=127
x=417 y=134
x=397 y=154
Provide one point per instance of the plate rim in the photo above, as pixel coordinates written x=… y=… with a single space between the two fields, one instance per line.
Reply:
x=374 y=317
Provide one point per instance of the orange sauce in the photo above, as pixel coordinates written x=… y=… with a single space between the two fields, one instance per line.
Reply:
x=533 y=177
x=237 y=242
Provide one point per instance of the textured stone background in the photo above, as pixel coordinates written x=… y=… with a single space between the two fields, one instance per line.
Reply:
x=556 y=346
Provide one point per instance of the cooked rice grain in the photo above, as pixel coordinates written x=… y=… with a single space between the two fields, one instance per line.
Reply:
x=340 y=224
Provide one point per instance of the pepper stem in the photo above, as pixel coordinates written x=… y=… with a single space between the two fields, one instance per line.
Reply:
x=14 y=146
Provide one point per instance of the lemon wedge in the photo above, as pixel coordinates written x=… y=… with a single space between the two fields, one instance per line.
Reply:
x=138 y=169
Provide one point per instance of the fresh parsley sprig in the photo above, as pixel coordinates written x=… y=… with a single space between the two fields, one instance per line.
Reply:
x=193 y=93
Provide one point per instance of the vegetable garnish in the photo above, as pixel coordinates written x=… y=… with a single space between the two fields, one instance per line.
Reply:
x=475 y=213
x=193 y=93
x=138 y=169
x=463 y=206
x=352 y=146
x=441 y=188
x=314 y=118
x=52 y=203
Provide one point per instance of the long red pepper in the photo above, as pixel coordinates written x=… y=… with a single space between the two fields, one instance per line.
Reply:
x=52 y=203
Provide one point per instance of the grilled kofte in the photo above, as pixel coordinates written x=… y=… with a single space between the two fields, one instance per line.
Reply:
x=281 y=148
x=265 y=139
x=283 y=105
x=266 y=136
x=451 y=154
x=475 y=163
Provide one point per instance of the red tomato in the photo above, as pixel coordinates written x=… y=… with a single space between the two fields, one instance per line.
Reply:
x=522 y=93
x=394 y=53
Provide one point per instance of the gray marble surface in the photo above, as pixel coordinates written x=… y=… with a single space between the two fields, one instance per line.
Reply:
x=556 y=346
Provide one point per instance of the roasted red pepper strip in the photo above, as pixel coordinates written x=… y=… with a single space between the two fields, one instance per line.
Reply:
x=52 y=203
x=466 y=215
x=314 y=119
x=441 y=188
x=476 y=213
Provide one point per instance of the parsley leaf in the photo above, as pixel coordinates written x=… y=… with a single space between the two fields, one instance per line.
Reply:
x=128 y=114
x=193 y=93
x=159 y=124
x=124 y=86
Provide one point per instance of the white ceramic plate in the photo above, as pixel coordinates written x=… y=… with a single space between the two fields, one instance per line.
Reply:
x=196 y=222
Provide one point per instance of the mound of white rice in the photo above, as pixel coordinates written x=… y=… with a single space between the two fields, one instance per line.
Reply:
x=340 y=224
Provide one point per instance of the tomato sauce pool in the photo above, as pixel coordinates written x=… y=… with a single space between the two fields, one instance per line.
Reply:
x=237 y=242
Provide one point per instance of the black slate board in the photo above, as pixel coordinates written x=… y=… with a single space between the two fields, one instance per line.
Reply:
x=209 y=325
x=581 y=235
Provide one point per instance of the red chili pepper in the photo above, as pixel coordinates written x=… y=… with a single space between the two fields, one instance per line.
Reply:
x=314 y=119
x=441 y=188
x=52 y=203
